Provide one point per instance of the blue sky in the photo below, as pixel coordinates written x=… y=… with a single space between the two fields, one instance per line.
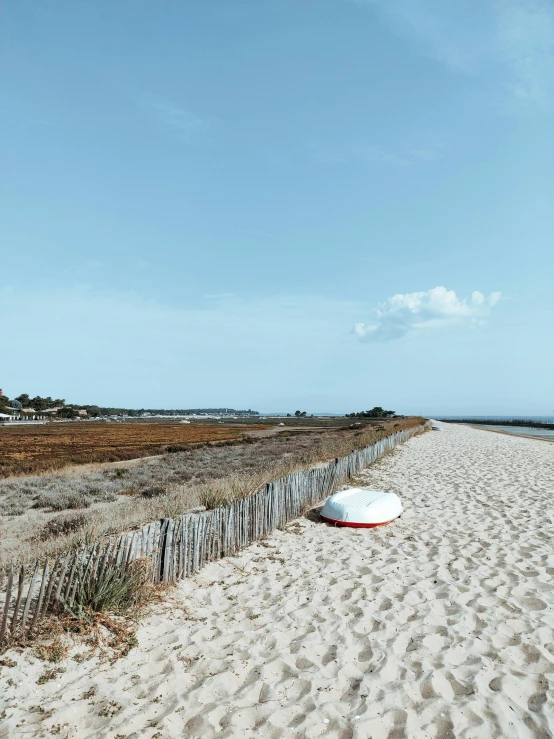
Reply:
x=316 y=204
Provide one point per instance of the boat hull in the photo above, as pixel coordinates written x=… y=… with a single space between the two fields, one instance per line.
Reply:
x=361 y=508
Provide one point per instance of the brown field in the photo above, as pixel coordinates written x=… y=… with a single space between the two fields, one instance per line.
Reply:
x=35 y=449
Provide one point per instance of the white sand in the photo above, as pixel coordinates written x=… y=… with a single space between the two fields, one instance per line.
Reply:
x=438 y=625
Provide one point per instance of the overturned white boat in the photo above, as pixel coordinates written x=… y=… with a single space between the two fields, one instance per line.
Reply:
x=361 y=508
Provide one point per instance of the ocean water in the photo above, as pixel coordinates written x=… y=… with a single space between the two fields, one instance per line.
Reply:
x=527 y=430
x=536 y=419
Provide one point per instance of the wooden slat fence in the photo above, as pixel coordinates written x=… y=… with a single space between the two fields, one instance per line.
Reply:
x=178 y=548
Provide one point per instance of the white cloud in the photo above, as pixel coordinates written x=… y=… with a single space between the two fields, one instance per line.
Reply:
x=428 y=309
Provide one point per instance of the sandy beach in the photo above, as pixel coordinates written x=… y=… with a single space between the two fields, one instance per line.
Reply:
x=438 y=625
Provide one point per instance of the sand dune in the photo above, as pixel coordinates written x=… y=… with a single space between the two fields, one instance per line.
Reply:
x=438 y=625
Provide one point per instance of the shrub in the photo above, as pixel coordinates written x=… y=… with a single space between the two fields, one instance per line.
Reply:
x=182 y=476
x=154 y=491
x=214 y=499
x=62 y=501
x=14 y=505
x=62 y=526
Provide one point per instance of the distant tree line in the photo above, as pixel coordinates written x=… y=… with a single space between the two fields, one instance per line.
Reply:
x=37 y=403
x=69 y=410
x=376 y=412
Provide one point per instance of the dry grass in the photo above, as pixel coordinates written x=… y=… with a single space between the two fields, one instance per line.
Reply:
x=103 y=616
x=116 y=590
x=32 y=449
x=164 y=487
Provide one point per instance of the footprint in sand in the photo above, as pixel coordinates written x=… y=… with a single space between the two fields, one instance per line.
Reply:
x=536 y=701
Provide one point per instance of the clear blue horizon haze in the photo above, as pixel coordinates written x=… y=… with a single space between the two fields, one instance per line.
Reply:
x=325 y=205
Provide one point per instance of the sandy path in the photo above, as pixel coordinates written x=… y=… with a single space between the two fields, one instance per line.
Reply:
x=439 y=625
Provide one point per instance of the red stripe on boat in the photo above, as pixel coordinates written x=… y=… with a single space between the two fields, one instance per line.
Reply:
x=354 y=525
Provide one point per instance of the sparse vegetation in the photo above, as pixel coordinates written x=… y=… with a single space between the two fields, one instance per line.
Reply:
x=49 y=675
x=118 y=498
x=54 y=651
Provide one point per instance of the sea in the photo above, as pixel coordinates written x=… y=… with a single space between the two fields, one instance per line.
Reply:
x=518 y=430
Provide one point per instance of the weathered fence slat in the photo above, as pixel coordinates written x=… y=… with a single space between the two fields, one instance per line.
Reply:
x=89 y=561
x=9 y=585
x=62 y=577
x=15 y=616
x=43 y=582
x=105 y=559
x=97 y=560
x=166 y=547
x=29 y=598
x=195 y=545
x=67 y=592
x=183 y=548
x=121 y=542
x=50 y=586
